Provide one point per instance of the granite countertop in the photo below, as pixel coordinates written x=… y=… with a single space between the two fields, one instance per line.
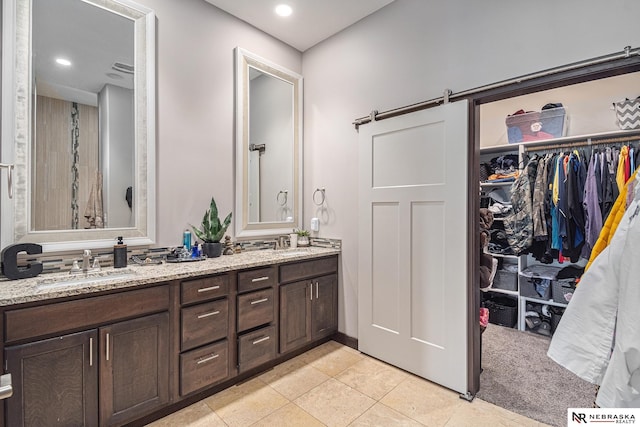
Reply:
x=58 y=285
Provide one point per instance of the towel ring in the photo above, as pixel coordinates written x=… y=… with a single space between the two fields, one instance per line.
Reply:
x=9 y=168
x=322 y=195
x=282 y=201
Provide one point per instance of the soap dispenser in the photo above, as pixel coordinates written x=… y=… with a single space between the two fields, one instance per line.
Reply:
x=119 y=254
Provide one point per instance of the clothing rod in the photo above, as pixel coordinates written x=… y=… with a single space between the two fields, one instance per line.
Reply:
x=624 y=54
x=588 y=142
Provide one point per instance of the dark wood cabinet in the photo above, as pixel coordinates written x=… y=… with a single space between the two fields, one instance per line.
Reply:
x=118 y=357
x=206 y=328
x=113 y=371
x=295 y=315
x=56 y=379
x=134 y=368
x=308 y=311
x=324 y=307
x=55 y=382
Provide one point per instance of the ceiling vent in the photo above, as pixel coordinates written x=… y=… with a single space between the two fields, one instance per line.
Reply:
x=123 y=68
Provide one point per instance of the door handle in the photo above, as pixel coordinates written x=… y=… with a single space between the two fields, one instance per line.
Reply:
x=6 y=388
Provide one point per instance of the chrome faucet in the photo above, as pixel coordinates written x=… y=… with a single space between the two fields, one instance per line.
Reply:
x=281 y=243
x=86 y=258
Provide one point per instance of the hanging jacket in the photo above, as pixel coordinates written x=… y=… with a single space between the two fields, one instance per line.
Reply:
x=593 y=215
x=519 y=224
x=611 y=224
x=620 y=170
x=575 y=179
x=603 y=315
x=539 y=193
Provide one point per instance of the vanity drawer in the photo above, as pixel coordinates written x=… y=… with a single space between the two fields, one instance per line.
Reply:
x=204 y=323
x=256 y=279
x=204 y=367
x=305 y=269
x=204 y=289
x=255 y=309
x=256 y=348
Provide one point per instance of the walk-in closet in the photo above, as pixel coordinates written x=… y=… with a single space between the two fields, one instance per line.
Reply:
x=553 y=159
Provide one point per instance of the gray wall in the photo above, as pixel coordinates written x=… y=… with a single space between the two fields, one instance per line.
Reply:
x=195 y=108
x=411 y=51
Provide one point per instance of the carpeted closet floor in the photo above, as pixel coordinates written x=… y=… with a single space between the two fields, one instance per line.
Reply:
x=517 y=375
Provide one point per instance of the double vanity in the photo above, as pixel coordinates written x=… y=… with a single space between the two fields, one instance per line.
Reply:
x=128 y=345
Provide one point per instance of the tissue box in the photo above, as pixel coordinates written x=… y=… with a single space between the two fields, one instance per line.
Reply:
x=536 y=126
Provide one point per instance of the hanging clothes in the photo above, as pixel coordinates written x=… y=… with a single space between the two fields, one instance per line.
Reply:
x=593 y=215
x=519 y=224
x=574 y=213
x=611 y=224
x=604 y=311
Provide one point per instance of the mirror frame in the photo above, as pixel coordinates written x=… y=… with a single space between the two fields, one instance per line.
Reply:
x=244 y=228
x=17 y=80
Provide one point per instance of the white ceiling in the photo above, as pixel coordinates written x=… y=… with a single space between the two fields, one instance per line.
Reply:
x=311 y=21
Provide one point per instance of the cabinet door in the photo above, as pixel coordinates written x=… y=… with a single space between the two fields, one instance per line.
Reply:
x=55 y=382
x=134 y=368
x=324 y=308
x=295 y=315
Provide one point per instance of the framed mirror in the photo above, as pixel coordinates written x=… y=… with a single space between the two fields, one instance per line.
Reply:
x=79 y=106
x=268 y=147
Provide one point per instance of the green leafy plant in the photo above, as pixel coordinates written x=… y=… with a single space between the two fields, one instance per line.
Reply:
x=301 y=232
x=212 y=229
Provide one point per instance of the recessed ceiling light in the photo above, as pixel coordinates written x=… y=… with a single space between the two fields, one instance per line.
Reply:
x=284 y=10
x=63 y=61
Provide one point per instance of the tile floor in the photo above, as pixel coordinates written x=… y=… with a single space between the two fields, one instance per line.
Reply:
x=334 y=385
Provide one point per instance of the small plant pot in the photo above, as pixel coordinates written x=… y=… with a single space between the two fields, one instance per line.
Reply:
x=212 y=250
x=303 y=241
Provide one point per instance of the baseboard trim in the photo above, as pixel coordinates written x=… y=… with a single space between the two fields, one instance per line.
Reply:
x=345 y=340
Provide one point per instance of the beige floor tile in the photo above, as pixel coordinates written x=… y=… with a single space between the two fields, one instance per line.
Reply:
x=505 y=413
x=334 y=403
x=298 y=382
x=290 y=415
x=423 y=401
x=372 y=377
x=320 y=351
x=196 y=415
x=282 y=369
x=380 y=415
x=481 y=414
x=246 y=403
x=336 y=361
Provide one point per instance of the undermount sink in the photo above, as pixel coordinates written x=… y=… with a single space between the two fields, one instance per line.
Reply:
x=292 y=252
x=85 y=278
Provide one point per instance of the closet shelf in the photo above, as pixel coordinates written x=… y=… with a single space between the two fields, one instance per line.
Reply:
x=594 y=137
x=500 y=291
x=485 y=184
x=507 y=256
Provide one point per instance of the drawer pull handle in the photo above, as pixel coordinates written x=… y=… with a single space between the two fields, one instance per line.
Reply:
x=213 y=313
x=207 y=359
x=261 y=340
x=258 y=301
x=260 y=279
x=210 y=288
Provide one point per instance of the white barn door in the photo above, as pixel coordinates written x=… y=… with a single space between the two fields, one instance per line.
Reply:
x=412 y=274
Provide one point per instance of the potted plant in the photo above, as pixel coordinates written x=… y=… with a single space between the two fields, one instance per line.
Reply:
x=212 y=231
x=303 y=237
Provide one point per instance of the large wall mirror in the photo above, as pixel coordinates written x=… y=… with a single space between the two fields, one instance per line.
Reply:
x=79 y=105
x=268 y=147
